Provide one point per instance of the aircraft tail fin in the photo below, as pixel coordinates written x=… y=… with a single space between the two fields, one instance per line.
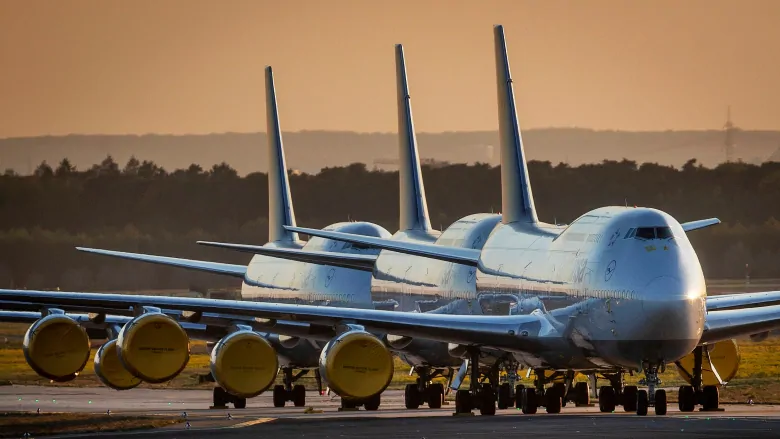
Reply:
x=280 y=207
x=517 y=201
x=413 y=207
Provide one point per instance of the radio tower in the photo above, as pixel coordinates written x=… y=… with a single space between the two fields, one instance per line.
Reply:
x=729 y=129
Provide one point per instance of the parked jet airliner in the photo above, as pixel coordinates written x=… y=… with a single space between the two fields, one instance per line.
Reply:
x=620 y=289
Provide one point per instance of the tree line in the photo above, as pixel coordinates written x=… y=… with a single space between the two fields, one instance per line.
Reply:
x=142 y=207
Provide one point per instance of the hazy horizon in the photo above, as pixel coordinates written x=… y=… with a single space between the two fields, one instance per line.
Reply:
x=195 y=67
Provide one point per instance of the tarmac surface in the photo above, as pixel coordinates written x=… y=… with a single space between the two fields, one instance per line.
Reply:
x=392 y=420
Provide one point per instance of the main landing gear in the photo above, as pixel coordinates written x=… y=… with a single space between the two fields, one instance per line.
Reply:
x=424 y=391
x=554 y=397
x=691 y=395
x=633 y=399
x=289 y=391
x=480 y=396
x=221 y=399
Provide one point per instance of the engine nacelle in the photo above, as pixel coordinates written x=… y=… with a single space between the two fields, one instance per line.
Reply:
x=725 y=358
x=356 y=364
x=244 y=364
x=109 y=368
x=153 y=347
x=56 y=347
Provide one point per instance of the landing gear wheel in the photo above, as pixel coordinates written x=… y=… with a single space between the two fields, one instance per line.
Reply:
x=463 y=401
x=660 y=402
x=435 y=395
x=347 y=403
x=641 y=402
x=519 y=396
x=487 y=400
x=372 y=403
x=629 y=398
x=686 y=399
x=582 y=394
x=529 y=403
x=280 y=395
x=504 y=396
x=710 y=397
x=607 y=399
x=560 y=388
x=239 y=403
x=220 y=397
x=412 y=397
x=299 y=395
x=553 y=400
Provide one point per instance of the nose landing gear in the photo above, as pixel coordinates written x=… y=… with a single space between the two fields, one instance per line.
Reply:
x=651 y=397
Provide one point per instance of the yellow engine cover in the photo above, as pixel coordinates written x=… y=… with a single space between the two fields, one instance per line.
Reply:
x=56 y=347
x=725 y=358
x=356 y=364
x=109 y=368
x=244 y=364
x=153 y=347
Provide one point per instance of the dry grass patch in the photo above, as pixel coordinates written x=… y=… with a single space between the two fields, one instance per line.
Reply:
x=16 y=424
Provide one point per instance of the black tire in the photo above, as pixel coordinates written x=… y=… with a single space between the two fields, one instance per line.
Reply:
x=519 y=396
x=607 y=399
x=561 y=389
x=710 y=398
x=411 y=396
x=487 y=400
x=435 y=395
x=641 y=402
x=686 y=399
x=582 y=392
x=347 y=403
x=219 y=397
x=463 y=401
x=529 y=402
x=372 y=403
x=280 y=395
x=504 y=396
x=299 y=395
x=660 y=402
x=629 y=398
x=239 y=403
x=553 y=401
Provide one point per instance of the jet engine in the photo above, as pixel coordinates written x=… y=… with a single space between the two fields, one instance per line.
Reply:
x=356 y=364
x=56 y=347
x=153 y=347
x=724 y=356
x=109 y=368
x=244 y=364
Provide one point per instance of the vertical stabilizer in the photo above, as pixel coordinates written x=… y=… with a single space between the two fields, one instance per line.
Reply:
x=517 y=201
x=414 y=210
x=280 y=208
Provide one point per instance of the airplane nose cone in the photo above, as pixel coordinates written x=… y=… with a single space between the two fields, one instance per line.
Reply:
x=673 y=319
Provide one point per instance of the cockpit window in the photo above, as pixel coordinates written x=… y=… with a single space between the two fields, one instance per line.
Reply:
x=663 y=232
x=653 y=233
x=645 y=232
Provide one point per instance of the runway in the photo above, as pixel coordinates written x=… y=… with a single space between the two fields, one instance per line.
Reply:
x=261 y=419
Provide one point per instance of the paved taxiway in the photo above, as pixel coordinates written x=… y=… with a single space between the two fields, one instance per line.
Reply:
x=260 y=419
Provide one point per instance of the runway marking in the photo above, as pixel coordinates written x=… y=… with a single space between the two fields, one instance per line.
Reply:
x=252 y=422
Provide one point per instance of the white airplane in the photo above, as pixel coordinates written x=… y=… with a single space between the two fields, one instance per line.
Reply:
x=620 y=289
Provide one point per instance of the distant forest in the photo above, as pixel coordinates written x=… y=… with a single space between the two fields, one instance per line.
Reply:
x=141 y=207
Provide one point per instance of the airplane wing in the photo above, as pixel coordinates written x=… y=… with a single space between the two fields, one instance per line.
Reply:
x=210 y=267
x=742 y=300
x=458 y=255
x=723 y=325
x=700 y=224
x=512 y=333
x=343 y=260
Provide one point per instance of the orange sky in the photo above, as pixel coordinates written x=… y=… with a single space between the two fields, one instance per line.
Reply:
x=174 y=66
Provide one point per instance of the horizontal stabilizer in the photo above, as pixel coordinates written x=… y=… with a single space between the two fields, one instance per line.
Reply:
x=466 y=256
x=742 y=300
x=343 y=260
x=700 y=224
x=209 y=267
